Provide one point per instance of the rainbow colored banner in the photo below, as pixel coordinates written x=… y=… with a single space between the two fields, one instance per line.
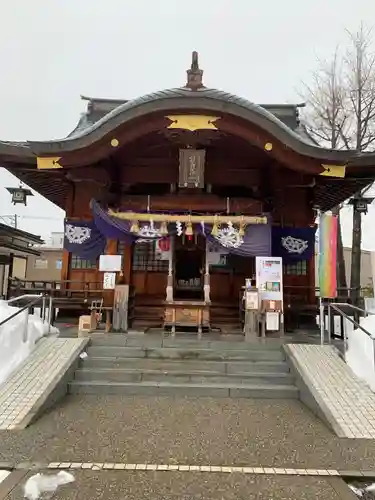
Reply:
x=328 y=226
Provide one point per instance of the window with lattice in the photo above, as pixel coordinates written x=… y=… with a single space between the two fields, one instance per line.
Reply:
x=79 y=263
x=121 y=247
x=298 y=268
x=145 y=258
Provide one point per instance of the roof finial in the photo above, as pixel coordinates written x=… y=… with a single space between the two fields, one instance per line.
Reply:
x=194 y=74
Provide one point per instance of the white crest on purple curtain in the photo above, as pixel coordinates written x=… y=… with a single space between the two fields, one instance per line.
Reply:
x=229 y=236
x=149 y=231
x=294 y=245
x=77 y=234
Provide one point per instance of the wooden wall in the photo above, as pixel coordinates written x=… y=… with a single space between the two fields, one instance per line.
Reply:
x=289 y=193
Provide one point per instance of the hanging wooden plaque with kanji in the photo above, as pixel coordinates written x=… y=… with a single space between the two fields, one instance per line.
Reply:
x=191 y=174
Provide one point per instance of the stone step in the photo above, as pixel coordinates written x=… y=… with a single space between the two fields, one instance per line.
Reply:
x=187 y=353
x=143 y=324
x=255 y=391
x=181 y=376
x=183 y=341
x=234 y=367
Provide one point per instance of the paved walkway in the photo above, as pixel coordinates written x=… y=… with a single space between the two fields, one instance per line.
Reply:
x=159 y=485
x=28 y=388
x=347 y=402
x=198 y=431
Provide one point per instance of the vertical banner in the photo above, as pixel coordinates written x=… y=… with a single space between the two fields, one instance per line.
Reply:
x=328 y=226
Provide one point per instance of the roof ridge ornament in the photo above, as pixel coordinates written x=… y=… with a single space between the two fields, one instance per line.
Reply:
x=194 y=74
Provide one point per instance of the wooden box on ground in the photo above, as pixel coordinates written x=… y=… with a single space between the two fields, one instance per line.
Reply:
x=187 y=314
x=86 y=325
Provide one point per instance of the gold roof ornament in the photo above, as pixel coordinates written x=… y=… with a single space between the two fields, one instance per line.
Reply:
x=193 y=122
x=48 y=163
x=334 y=171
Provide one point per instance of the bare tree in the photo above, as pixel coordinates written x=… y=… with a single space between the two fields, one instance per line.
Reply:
x=327 y=124
x=342 y=116
x=360 y=84
x=326 y=121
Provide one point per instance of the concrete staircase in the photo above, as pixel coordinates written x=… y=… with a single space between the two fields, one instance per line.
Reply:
x=148 y=365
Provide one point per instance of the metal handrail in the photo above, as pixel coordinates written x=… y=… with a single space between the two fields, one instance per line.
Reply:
x=26 y=296
x=27 y=306
x=336 y=307
x=30 y=304
x=351 y=306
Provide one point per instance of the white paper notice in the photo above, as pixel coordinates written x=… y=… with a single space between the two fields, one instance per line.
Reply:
x=110 y=263
x=272 y=321
x=109 y=281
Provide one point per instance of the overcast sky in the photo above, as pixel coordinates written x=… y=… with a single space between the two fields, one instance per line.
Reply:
x=52 y=51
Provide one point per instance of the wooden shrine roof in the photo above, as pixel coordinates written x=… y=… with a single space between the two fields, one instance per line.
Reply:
x=105 y=118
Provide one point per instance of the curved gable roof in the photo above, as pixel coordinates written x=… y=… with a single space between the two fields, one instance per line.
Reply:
x=184 y=99
x=97 y=108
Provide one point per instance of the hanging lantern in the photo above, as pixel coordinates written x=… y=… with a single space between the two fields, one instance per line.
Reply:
x=19 y=195
x=164 y=244
x=134 y=227
x=163 y=228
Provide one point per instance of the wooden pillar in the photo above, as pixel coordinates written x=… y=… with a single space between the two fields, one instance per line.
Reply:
x=111 y=247
x=127 y=263
x=207 y=286
x=169 y=290
x=65 y=265
x=311 y=279
x=69 y=211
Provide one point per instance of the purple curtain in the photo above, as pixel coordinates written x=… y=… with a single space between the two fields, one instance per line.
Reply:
x=256 y=241
x=293 y=244
x=83 y=239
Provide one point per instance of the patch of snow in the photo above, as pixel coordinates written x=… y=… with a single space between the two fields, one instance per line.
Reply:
x=360 y=355
x=3 y=475
x=360 y=490
x=13 y=350
x=43 y=483
x=356 y=491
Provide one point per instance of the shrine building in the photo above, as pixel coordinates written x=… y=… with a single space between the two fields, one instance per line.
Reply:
x=189 y=185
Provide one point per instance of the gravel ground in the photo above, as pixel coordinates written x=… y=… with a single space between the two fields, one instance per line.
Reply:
x=194 y=431
x=165 y=486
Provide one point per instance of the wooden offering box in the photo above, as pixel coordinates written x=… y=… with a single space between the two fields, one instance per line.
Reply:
x=187 y=314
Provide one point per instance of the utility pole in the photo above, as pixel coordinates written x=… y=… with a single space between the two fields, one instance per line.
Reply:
x=360 y=206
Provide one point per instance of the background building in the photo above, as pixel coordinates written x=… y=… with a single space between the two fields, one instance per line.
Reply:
x=48 y=264
x=16 y=247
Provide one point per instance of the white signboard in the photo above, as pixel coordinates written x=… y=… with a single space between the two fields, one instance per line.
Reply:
x=110 y=263
x=216 y=256
x=269 y=277
x=109 y=281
